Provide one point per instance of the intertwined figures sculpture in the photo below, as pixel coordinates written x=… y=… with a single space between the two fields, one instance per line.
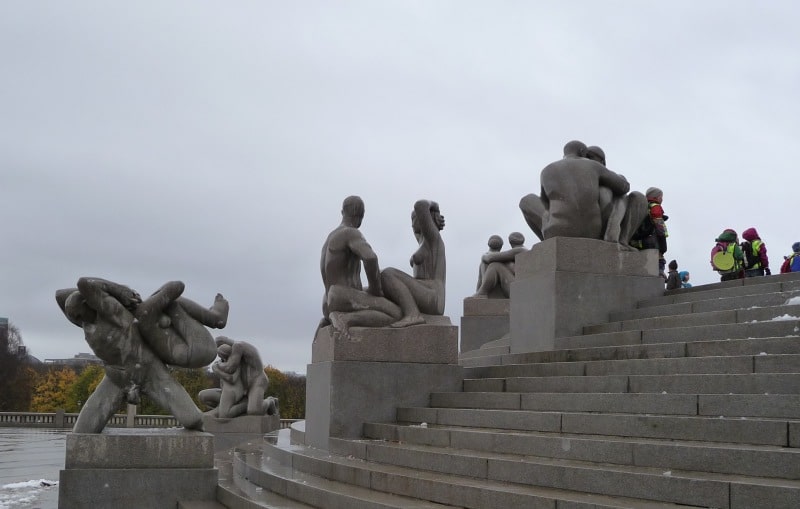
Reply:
x=135 y=340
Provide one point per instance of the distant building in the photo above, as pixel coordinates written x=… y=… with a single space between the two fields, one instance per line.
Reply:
x=80 y=360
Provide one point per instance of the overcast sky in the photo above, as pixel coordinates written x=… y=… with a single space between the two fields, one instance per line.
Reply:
x=213 y=142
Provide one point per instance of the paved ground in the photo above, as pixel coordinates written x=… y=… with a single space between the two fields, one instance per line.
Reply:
x=30 y=458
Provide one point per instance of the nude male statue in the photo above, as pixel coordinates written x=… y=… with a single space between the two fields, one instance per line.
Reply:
x=106 y=312
x=346 y=303
x=495 y=244
x=242 y=380
x=569 y=205
x=499 y=272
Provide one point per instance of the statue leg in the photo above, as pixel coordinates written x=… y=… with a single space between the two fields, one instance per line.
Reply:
x=170 y=395
x=635 y=213
x=99 y=408
x=613 y=228
x=396 y=287
x=175 y=327
x=491 y=280
x=533 y=210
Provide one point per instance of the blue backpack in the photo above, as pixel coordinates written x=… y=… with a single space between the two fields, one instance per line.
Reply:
x=794 y=264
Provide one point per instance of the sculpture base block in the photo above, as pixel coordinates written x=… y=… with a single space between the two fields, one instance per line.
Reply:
x=134 y=468
x=484 y=320
x=563 y=284
x=230 y=432
x=347 y=387
x=427 y=343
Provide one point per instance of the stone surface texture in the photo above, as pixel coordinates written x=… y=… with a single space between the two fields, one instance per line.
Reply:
x=564 y=284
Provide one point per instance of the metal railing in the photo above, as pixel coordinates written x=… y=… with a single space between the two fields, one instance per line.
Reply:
x=61 y=419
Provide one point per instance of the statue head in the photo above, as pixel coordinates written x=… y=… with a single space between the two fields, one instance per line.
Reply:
x=77 y=309
x=495 y=242
x=575 y=148
x=516 y=239
x=596 y=153
x=353 y=210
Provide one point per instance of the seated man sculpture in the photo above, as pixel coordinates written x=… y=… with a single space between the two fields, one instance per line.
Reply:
x=346 y=303
x=107 y=313
x=574 y=192
x=242 y=382
x=497 y=267
x=423 y=291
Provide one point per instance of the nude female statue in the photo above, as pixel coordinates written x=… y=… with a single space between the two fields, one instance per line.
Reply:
x=424 y=291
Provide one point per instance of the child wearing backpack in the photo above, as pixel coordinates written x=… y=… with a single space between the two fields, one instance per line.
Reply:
x=654 y=197
x=756 y=262
x=673 y=278
x=791 y=263
x=727 y=257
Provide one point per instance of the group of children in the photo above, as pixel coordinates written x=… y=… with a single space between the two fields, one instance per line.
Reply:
x=733 y=260
x=729 y=258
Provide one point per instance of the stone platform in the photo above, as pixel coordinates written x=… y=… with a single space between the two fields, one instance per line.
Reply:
x=368 y=376
x=484 y=320
x=230 y=431
x=124 y=468
x=563 y=284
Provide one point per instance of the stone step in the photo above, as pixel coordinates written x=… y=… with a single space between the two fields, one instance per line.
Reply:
x=707 y=306
x=660 y=366
x=265 y=470
x=672 y=486
x=492 y=351
x=722 y=331
x=731 y=316
x=748 y=286
x=732 y=347
x=758 y=431
x=470 y=487
x=236 y=492
x=735 y=459
x=783 y=406
x=752 y=383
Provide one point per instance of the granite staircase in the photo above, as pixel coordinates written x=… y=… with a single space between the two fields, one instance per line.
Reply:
x=690 y=400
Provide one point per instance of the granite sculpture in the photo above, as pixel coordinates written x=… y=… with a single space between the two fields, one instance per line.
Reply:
x=346 y=303
x=136 y=339
x=423 y=291
x=242 y=382
x=582 y=198
x=497 y=267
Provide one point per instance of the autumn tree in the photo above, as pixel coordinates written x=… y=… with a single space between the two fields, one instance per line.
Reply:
x=52 y=391
x=85 y=384
x=290 y=389
x=17 y=378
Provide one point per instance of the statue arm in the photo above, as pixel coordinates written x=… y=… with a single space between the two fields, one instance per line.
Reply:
x=502 y=256
x=424 y=210
x=617 y=183
x=108 y=298
x=362 y=249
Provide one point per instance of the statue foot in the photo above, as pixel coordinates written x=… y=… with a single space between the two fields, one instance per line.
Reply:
x=221 y=308
x=408 y=321
x=341 y=328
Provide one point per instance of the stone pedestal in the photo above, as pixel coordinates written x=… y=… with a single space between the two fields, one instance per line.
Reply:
x=564 y=283
x=484 y=320
x=230 y=432
x=366 y=378
x=134 y=468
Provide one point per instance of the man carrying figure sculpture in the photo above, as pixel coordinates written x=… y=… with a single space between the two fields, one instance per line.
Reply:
x=135 y=339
